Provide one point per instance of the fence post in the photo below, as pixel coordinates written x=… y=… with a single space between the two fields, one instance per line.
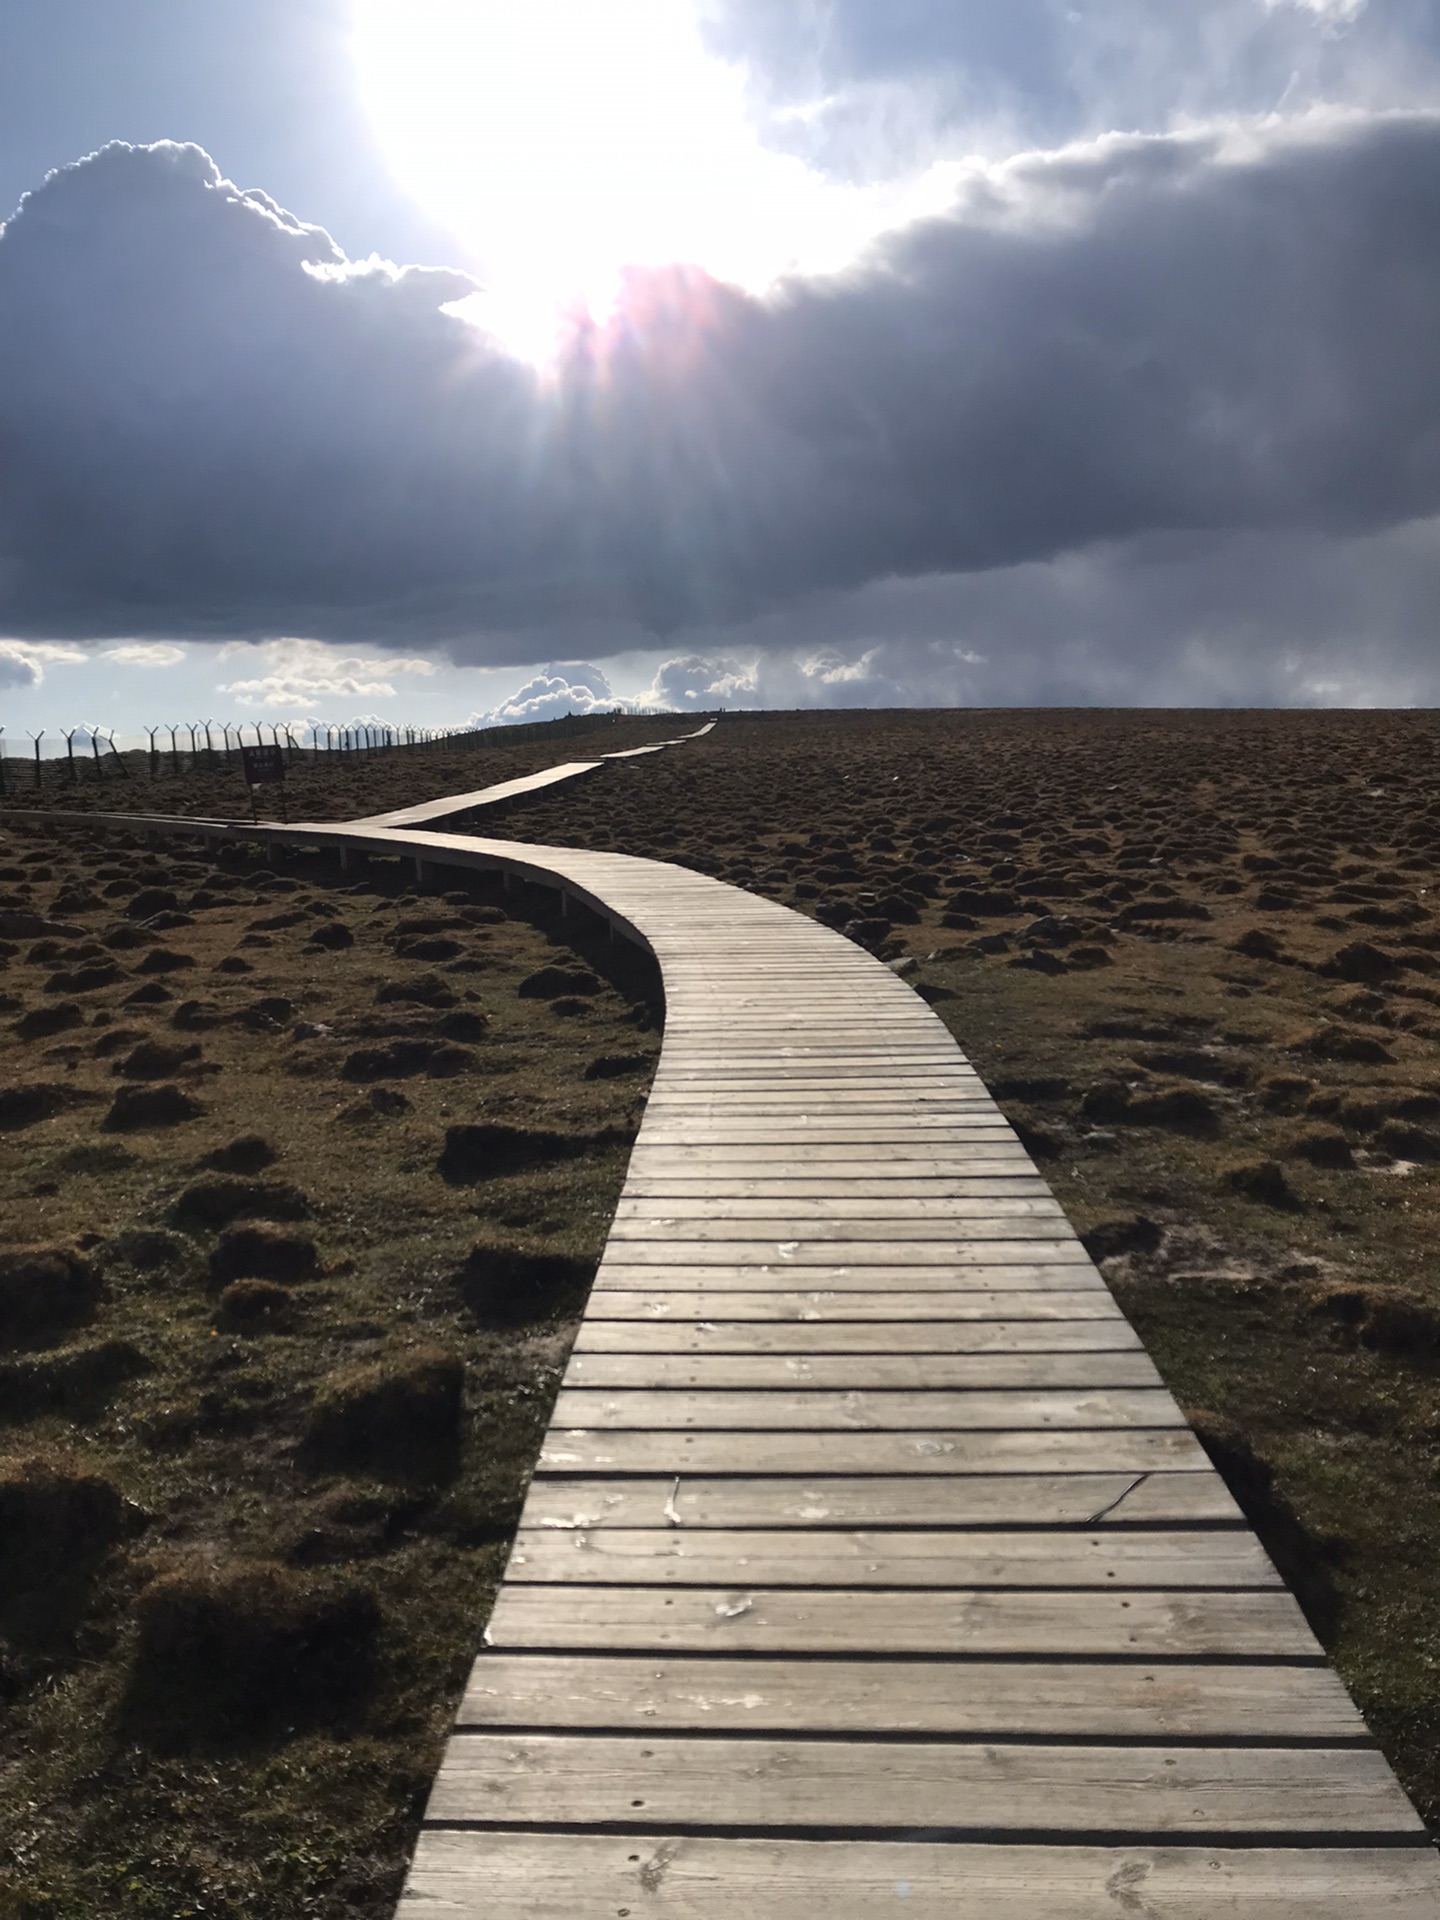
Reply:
x=37 y=738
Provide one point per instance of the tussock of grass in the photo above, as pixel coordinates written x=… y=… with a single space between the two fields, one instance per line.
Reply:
x=44 y=1289
x=397 y=1415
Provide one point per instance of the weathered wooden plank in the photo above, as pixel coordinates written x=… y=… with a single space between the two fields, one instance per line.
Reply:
x=693 y=1053
x=923 y=1134
x=1080 y=1625
x=911 y=1500
x=1109 y=1450
x=741 y=1012
x=1071 y=1272
x=814 y=1260
x=721 y=1066
x=817 y=1556
x=874 y=1372
x=777 y=1409
x=548 y=1876
x=817 y=1304
x=1026 y=1235
x=924 y=1098
x=824 y=1114
x=939 y=1138
x=976 y=1698
x=711 y=1072
x=1001 y=1215
x=830 y=1785
x=812 y=1105
x=716 y=1018
x=785 y=1188
x=923 y=1094
x=834 y=1160
x=845 y=1087
x=886 y=1069
x=809 y=1244
x=841 y=1337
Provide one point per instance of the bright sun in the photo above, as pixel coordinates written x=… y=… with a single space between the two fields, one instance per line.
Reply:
x=564 y=140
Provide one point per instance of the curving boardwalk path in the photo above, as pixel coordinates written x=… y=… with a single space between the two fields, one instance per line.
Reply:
x=520 y=789
x=868 y=1567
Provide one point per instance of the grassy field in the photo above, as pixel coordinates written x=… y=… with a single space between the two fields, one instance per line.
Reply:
x=305 y=1180
x=1196 y=958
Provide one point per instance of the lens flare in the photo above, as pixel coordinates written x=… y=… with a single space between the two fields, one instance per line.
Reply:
x=563 y=141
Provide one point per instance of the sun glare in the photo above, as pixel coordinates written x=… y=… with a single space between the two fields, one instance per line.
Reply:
x=564 y=140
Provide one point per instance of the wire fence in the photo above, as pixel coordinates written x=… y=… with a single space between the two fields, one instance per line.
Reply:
x=208 y=746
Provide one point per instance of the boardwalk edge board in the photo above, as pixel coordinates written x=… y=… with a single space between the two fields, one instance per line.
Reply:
x=965 y=1647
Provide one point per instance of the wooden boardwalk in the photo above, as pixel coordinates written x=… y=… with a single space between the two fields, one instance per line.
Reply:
x=868 y=1566
x=522 y=788
x=452 y=803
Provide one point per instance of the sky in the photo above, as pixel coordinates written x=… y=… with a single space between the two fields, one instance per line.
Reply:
x=452 y=361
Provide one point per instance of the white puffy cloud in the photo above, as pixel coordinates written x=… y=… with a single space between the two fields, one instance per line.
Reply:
x=695 y=680
x=144 y=653
x=571 y=687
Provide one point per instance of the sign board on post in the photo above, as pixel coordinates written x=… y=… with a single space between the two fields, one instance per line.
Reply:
x=264 y=766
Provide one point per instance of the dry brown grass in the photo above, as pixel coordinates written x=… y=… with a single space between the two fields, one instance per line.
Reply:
x=237 y=1363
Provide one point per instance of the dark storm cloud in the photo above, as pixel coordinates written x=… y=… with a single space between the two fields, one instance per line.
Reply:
x=211 y=422
x=1197 y=620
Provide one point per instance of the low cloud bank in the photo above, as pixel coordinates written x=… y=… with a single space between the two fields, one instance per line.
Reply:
x=301 y=674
